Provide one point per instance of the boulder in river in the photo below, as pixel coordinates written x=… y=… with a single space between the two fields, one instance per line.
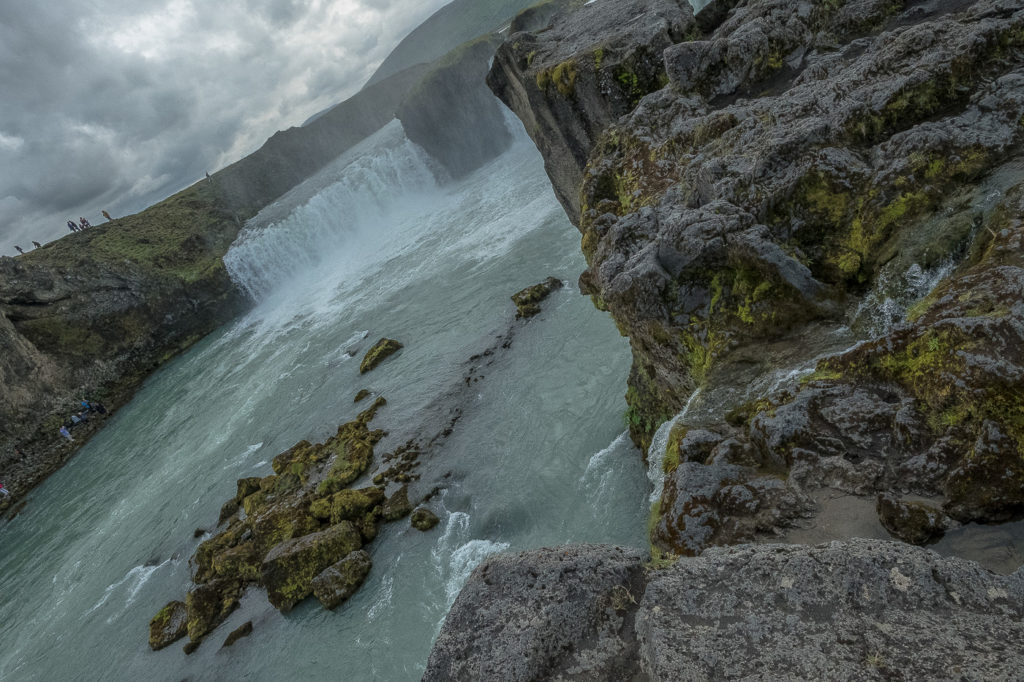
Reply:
x=397 y=505
x=377 y=353
x=288 y=570
x=209 y=604
x=528 y=300
x=243 y=630
x=340 y=581
x=168 y=626
x=423 y=519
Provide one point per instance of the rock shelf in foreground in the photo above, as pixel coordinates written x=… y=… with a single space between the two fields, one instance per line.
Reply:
x=857 y=609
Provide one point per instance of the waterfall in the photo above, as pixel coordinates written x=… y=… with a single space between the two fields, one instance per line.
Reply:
x=337 y=217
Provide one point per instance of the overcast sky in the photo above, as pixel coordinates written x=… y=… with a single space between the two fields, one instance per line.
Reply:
x=115 y=104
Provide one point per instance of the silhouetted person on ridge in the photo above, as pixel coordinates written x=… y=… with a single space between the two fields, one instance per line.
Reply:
x=18 y=249
x=106 y=215
x=37 y=245
x=84 y=223
x=72 y=226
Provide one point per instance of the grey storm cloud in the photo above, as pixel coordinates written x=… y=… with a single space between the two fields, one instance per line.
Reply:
x=115 y=104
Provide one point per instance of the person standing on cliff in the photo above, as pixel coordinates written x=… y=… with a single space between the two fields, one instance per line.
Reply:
x=106 y=215
x=63 y=430
x=72 y=226
x=18 y=249
x=37 y=245
x=4 y=490
x=84 y=223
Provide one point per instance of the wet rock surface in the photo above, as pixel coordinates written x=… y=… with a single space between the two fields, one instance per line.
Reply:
x=238 y=633
x=340 y=581
x=423 y=519
x=378 y=353
x=528 y=300
x=561 y=613
x=168 y=626
x=801 y=157
x=859 y=609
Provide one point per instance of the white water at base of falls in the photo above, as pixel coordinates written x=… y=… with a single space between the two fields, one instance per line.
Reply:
x=537 y=459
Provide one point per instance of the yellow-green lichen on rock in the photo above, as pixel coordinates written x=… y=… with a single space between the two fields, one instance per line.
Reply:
x=378 y=353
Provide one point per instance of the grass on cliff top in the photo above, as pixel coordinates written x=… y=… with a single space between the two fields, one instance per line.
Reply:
x=184 y=235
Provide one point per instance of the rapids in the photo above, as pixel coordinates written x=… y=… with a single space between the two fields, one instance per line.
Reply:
x=376 y=245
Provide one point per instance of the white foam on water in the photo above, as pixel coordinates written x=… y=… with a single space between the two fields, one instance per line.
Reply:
x=600 y=475
x=134 y=580
x=456 y=555
x=385 y=594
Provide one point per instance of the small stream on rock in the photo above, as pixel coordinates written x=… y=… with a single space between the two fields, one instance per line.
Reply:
x=374 y=246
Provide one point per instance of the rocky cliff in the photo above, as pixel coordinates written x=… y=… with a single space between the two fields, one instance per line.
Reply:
x=807 y=218
x=777 y=176
x=91 y=315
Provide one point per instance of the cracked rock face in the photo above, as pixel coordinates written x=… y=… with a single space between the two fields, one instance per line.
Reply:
x=805 y=170
x=860 y=609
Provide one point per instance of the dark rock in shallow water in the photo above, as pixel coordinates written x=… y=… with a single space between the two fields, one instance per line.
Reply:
x=423 y=519
x=361 y=395
x=398 y=505
x=337 y=583
x=915 y=522
x=543 y=614
x=209 y=604
x=227 y=510
x=528 y=300
x=860 y=609
x=377 y=353
x=242 y=631
x=168 y=626
x=288 y=570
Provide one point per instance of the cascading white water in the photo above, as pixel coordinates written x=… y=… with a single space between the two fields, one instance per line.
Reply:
x=353 y=199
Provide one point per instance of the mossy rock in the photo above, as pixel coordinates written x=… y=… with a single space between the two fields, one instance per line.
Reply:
x=362 y=395
x=208 y=549
x=423 y=519
x=398 y=505
x=246 y=487
x=347 y=505
x=338 y=582
x=299 y=458
x=281 y=523
x=229 y=509
x=378 y=353
x=168 y=626
x=289 y=568
x=254 y=503
x=241 y=562
x=528 y=300
x=209 y=605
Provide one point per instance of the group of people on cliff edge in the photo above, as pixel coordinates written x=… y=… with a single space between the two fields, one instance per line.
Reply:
x=88 y=407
